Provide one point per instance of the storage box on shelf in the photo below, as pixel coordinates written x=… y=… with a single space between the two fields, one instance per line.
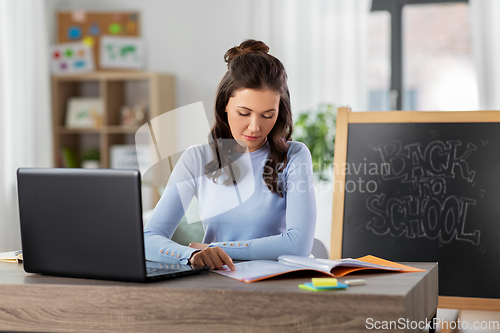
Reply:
x=153 y=92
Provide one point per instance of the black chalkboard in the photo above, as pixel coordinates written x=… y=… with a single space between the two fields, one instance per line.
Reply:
x=427 y=192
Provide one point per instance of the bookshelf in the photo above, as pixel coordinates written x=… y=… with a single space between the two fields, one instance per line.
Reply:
x=115 y=89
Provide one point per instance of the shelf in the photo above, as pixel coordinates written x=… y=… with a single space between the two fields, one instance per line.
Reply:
x=116 y=89
x=65 y=130
x=107 y=76
x=121 y=129
x=105 y=129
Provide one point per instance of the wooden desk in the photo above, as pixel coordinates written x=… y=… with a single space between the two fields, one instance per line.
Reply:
x=210 y=302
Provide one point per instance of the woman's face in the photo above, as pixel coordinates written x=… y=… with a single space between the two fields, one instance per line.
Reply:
x=251 y=115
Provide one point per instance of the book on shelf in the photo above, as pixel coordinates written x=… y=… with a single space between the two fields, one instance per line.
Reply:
x=69 y=158
x=256 y=270
x=12 y=256
x=130 y=156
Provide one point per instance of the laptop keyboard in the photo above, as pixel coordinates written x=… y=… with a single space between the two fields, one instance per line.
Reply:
x=154 y=269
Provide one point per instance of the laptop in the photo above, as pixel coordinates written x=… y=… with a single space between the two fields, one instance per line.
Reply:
x=87 y=223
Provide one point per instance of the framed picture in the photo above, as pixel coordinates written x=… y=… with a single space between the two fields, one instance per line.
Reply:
x=71 y=58
x=84 y=113
x=121 y=52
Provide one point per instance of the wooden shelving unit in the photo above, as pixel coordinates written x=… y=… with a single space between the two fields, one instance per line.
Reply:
x=116 y=89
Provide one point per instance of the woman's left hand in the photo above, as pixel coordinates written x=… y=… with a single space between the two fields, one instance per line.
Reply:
x=199 y=246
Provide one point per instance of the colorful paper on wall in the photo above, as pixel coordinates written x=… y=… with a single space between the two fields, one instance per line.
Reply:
x=71 y=58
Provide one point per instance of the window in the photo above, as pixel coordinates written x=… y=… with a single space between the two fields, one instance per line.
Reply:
x=431 y=65
x=379 y=67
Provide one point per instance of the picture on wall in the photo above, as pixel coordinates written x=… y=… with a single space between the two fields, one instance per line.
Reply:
x=88 y=27
x=71 y=58
x=121 y=52
x=84 y=113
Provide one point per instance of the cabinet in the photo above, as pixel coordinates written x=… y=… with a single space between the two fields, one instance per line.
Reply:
x=115 y=89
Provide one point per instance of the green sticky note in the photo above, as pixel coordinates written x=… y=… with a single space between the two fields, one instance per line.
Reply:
x=303 y=286
x=115 y=28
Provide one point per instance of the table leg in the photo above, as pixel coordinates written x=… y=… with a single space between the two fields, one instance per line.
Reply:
x=432 y=329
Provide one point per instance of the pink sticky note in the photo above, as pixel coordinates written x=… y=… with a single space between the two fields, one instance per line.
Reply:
x=79 y=16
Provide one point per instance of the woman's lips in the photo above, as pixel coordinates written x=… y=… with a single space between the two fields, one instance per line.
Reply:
x=250 y=138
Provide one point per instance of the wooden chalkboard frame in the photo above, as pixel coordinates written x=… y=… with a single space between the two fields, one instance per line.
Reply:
x=346 y=117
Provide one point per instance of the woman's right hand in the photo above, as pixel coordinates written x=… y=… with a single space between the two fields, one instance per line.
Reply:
x=214 y=257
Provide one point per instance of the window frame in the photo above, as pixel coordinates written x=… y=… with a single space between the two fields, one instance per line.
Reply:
x=395 y=9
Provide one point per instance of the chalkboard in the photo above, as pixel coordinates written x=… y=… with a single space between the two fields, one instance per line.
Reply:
x=422 y=187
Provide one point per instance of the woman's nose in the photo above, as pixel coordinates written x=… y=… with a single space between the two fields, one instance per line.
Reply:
x=254 y=125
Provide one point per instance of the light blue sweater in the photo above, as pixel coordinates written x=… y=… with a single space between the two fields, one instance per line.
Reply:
x=246 y=220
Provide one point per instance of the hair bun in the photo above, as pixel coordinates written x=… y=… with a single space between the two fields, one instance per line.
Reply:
x=248 y=46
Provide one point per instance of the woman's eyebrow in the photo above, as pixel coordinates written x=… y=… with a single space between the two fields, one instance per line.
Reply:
x=244 y=107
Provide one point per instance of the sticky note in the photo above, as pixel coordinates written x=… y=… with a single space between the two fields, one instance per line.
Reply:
x=88 y=40
x=94 y=29
x=115 y=28
x=79 y=16
x=309 y=286
x=74 y=32
x=131 y=26
x=303 y=286
x=324 y=282
x=338 y=286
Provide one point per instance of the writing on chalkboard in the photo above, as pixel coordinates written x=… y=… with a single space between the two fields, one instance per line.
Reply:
x=424 y=207
x=438 y=159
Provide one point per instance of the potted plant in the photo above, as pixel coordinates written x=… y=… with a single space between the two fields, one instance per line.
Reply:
x=316 y=129
x=91 y=158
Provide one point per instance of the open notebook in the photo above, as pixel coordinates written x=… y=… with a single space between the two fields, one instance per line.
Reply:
x=256 y=270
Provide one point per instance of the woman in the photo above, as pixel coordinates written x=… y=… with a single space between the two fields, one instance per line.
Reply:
x=253 y=185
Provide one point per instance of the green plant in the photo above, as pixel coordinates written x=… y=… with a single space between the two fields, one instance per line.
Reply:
x=316 y=129
x=91 y=154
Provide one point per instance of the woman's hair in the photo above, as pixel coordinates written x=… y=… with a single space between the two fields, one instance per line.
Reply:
x=251 y=67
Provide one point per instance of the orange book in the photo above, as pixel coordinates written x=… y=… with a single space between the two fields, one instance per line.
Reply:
x=256 y=270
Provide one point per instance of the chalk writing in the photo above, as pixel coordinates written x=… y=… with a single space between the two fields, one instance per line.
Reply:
x=424 y=208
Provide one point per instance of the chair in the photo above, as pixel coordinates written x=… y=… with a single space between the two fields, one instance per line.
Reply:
x=319 y=250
